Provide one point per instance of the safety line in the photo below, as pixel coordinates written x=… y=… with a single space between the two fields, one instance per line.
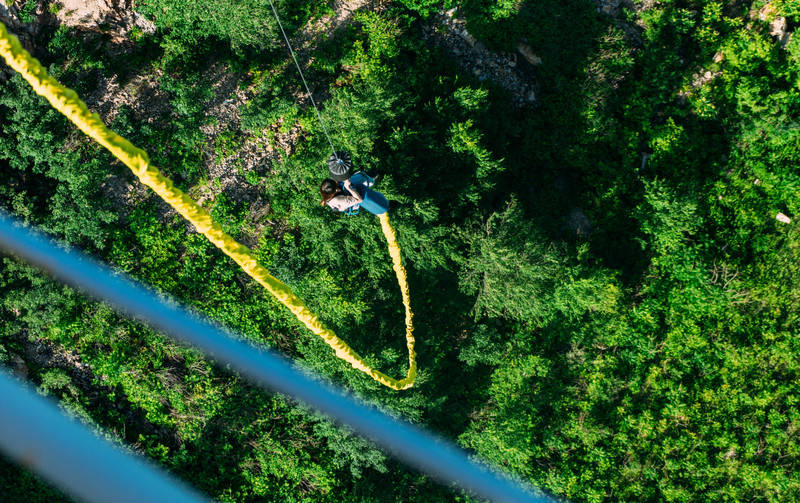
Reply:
x=68 y=103
x=291 y=51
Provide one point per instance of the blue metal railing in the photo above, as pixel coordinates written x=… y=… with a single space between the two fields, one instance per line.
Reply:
x=35 y=433
x=408 y=443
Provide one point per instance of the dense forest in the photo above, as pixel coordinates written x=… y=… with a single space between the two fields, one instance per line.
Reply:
x=599 y=211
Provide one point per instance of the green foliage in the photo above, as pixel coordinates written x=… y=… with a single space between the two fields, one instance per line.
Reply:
x=382 y=34
x=465 y=139
x=247 y=23
x=516 y=274
x=425 y=7
x=175 y=144
x=55 y=379
x=28 y=11
x=651 y=358
x=665 y=221
x=78 y=53
x=269 y=107
x=67 y=201
x=227 y=143
x=245 y=26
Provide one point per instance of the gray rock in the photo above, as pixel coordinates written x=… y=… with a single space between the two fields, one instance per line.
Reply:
x=579 y=224
x=528 y=54
x=469 y=38
x=143 y=23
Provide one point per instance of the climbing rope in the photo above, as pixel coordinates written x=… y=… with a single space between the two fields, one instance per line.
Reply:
x=311 y=96
x=68 y=103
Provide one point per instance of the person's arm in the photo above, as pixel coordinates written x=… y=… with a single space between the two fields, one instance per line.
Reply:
x=353 y=192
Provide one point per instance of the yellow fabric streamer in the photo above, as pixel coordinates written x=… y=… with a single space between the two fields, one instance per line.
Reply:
x=68 y=103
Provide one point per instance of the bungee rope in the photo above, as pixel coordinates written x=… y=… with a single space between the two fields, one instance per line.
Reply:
x=70 y=105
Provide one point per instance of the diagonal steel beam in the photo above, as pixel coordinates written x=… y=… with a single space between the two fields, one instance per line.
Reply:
x=419 y=449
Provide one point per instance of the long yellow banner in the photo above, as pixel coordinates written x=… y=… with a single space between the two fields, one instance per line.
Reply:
x=68 y=103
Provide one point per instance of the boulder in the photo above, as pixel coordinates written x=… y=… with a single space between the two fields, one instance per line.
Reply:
x=528 y=54
x=579 y=224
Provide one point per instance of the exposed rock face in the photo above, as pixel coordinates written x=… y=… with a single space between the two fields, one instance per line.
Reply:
x=505 y=69
x=616 y=10
x=528 y=54
x=116 y=17
x=778 y=26
x=610 y=7
x=19 y=367
x=9 y=16
x=89 y=15
x=579 y=224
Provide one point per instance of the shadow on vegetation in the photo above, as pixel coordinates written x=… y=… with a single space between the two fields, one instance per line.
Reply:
x=108 y=405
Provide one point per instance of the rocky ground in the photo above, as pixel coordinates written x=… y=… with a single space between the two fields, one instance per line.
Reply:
x=512 y=71
x=114 y=17
x=25 y=32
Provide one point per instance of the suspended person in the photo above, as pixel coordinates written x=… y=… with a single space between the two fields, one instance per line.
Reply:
x=346 y=193
x=353 y=194
x=336 y=198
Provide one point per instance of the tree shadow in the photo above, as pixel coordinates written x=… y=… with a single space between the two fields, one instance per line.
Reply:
x=572 y=160
x=108 y=405
x=543 y=165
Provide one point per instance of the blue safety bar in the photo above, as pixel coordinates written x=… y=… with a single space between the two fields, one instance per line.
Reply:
x=408 y=443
